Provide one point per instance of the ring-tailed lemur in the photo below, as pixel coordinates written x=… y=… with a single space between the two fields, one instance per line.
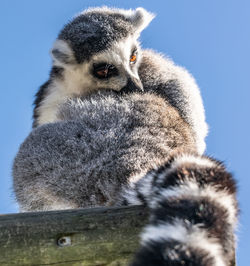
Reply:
x=99 y=49
x=95 y=147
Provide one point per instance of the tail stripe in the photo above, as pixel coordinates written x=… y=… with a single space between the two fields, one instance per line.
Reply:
x=189 y=238
x=193 y=213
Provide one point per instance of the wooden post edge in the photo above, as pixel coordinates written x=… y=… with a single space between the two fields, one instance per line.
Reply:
x=96 y=236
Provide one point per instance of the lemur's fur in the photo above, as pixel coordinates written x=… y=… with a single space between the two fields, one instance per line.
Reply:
x=133 y=137
x=103 y=35
x=193 y=213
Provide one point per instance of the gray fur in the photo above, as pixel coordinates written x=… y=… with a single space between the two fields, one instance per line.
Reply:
x=90 y=34
x=99 y=144
x=172 y=89
x=163 y=77
x=95 y=30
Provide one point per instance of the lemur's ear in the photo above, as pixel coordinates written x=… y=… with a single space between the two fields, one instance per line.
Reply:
x=141 y=18
x=62 y=54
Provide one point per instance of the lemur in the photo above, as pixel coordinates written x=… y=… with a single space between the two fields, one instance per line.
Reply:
x=99 y=49
x=118 y=125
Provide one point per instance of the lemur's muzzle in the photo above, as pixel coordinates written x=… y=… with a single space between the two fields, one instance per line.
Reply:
x=133 y=85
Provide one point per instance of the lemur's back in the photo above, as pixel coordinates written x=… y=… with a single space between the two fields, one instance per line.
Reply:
x=100 y=144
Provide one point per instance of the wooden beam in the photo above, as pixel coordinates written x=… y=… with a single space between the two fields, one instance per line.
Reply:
x=98 y=236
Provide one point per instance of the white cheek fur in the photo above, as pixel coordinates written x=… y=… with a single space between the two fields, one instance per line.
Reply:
x=78 y=80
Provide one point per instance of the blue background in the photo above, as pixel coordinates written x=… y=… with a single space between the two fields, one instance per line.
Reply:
x=210 y=38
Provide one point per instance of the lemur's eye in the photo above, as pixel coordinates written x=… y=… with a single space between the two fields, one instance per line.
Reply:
x=133 y=57
x=104 y=70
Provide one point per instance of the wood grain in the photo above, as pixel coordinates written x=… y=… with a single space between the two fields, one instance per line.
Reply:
x=98 y=236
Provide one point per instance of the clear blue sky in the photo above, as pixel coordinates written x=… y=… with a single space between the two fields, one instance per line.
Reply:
x=210 y=38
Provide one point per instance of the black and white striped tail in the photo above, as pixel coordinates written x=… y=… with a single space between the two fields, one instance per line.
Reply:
x=193 y=213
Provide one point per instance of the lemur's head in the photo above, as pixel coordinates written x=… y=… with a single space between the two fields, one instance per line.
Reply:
x=99 y=49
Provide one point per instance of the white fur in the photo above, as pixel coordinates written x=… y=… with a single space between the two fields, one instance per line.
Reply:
x=194 y=238
x=134 y=178
x=146 y=18
x=119 y=55
x=192 y=159
x=164 y=231
x=64 y=48
x=145 y=186
x=78 y=80
x=190 y=189
x=183 y=160
x=131 y=196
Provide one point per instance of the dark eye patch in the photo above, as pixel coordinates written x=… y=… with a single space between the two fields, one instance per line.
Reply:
x=104 y=70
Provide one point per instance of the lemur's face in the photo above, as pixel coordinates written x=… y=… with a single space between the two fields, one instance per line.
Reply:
x=115 y=68
x=99 y=49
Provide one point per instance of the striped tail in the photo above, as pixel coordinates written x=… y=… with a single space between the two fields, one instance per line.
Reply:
x=193 y=213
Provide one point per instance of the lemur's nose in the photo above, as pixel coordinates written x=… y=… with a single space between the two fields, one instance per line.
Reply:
x=133 y=85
